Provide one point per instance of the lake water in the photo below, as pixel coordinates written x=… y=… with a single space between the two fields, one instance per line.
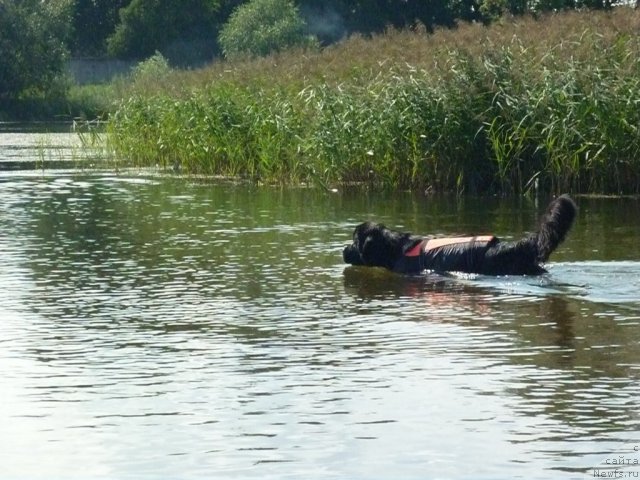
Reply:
x=153 y=327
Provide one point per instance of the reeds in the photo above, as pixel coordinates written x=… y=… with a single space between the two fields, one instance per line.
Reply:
x=551 y=103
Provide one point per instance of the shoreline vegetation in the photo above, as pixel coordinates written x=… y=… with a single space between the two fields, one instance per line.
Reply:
x=549 y=103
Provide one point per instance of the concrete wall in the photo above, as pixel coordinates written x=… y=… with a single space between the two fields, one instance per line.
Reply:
x=97 y=70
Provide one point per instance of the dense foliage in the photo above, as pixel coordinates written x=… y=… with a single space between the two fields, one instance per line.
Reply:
x=93 y=21
x=147 y=26
x=32 y=47
x=36 y=35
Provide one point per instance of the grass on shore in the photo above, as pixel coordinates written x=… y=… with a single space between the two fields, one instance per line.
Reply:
x=552 y=101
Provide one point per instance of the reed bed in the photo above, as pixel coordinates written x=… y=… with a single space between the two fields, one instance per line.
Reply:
x=549 y=103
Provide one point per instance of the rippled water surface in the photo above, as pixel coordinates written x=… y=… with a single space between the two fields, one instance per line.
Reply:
x=162 y=328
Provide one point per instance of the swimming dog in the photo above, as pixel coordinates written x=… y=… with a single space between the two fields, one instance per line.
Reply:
x=402 y=252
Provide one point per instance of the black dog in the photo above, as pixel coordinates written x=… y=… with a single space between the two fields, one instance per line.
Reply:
x=377 y=246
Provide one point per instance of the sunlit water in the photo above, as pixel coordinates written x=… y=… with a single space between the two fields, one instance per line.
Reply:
x=163 y=328
x=56 y=146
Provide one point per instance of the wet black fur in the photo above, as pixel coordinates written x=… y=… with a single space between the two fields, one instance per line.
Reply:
x=376 y=245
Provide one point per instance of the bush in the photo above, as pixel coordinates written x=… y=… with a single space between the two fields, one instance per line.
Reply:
x=260 y=27
x=152 y=68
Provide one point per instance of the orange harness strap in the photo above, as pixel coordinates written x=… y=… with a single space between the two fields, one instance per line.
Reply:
x=443 y=242
x=427 y=245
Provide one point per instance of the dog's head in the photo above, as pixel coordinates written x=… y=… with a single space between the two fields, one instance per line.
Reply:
x=375 y=245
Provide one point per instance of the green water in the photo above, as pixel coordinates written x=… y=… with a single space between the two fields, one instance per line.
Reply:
x=161 y=328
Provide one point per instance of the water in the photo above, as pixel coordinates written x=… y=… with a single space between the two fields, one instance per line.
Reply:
x=160 y=328
x=38 y=146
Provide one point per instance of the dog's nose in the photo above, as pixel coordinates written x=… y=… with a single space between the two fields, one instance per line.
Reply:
x=351 y=255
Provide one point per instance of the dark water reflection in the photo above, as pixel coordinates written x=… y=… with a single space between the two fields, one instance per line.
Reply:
x=154 y=328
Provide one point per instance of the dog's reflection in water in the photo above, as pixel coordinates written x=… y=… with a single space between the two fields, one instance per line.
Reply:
x=433 y=290
x=450 y=299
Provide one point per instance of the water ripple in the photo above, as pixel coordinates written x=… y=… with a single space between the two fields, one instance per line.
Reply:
x=151 y=329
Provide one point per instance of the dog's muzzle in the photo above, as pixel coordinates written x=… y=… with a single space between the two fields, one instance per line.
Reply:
x=351 y=255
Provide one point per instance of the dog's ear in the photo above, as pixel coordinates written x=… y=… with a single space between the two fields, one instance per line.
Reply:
x=369 y=250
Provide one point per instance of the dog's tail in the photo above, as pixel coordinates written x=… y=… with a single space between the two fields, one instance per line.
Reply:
x=554 y=226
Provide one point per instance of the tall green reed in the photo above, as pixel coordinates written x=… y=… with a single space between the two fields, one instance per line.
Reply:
x=496 y=114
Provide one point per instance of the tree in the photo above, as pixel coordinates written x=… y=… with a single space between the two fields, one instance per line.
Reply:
x=147 y=26
x=32 y=46
x=93 y=22
x=374 y=16
x=260 y=27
